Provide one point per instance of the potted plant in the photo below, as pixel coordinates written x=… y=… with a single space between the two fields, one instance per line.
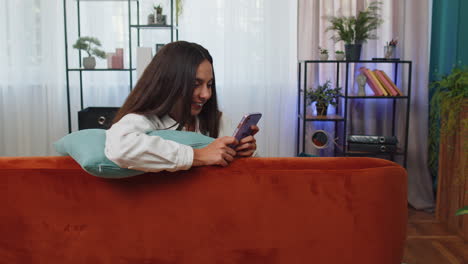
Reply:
x=339 y=55
x=160 y=19
x=446 y=124
x=323 y=54
x=158 y=9
x=90 y=45
x=324 y=95
x=355 y=30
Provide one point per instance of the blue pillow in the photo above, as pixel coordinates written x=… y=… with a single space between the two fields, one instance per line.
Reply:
x=87 y=148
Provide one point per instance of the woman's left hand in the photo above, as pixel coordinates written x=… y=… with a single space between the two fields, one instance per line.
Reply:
x=247 y=145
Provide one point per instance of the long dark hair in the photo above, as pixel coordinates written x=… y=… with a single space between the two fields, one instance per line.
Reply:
x=168 y=81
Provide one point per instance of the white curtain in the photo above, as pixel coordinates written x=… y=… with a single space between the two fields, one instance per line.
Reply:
x=409 y=21
x=32 y=93
x=254 y=47
x=33 y=102
x=108 y=22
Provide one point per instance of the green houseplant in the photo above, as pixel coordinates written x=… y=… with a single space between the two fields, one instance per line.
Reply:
x=159 y=18
x=355 y=30
x=158 y=9
x=462 y=211
x=449 y=97
x=324 y=95
x=339 y=55
x=90 y=45
x=323 y=54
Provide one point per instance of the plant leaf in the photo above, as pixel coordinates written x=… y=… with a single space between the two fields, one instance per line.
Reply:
x=462 y=211
x=356 y=29
x=86 y=43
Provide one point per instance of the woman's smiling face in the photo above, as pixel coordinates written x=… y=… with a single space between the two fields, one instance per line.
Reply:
x=203 y=85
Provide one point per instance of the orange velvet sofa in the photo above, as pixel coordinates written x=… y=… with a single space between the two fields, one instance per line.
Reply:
x=257 y=210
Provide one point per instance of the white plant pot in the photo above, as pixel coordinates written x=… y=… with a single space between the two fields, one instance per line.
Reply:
x=323 y=56
x=89 y=62
x=339 y=56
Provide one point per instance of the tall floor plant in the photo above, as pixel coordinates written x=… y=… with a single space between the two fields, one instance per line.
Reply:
x=450 y=95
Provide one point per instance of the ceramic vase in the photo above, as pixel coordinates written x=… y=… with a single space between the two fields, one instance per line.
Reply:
x=89 y=62
x=339 y=56
x=323 y=56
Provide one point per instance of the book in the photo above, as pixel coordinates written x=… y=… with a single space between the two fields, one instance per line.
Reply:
x=379 y=85
x=384 y=82
x=371 y=82
x=392 y=83
x=372 y=139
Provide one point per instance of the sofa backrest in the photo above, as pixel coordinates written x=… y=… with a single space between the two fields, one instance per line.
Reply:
x=257 y=210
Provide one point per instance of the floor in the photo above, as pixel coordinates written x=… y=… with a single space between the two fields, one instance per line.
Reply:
x=428 y=242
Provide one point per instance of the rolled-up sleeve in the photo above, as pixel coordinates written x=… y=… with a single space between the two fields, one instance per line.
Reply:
x=128 y=145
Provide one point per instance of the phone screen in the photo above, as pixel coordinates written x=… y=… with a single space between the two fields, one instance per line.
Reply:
x=243 y=129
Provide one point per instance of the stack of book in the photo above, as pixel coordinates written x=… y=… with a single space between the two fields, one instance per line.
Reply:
x=380 y=83
x=372 y=144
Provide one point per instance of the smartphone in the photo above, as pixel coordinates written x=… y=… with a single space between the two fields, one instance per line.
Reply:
x=243 y=129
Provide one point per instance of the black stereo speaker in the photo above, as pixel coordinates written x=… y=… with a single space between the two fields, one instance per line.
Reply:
x=96 y=117
x=373 y=148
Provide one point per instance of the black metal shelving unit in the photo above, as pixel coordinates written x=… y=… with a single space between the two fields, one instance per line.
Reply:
x=342 y=110
x=133 y=6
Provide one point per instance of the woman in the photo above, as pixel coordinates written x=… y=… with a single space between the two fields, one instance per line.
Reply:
x=176 y=91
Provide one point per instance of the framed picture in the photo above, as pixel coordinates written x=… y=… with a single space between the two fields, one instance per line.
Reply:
x=159 y=46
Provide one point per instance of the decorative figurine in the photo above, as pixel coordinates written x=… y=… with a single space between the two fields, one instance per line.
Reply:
x=361 y=80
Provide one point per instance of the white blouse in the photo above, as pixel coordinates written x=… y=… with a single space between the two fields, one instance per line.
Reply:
x=128 y=145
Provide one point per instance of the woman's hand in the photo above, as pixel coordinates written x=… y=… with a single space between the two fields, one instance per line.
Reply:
x=216 y=153
x=247 y=145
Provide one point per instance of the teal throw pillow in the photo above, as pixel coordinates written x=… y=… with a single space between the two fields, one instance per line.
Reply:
x=87 y=148
x=305 y=155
